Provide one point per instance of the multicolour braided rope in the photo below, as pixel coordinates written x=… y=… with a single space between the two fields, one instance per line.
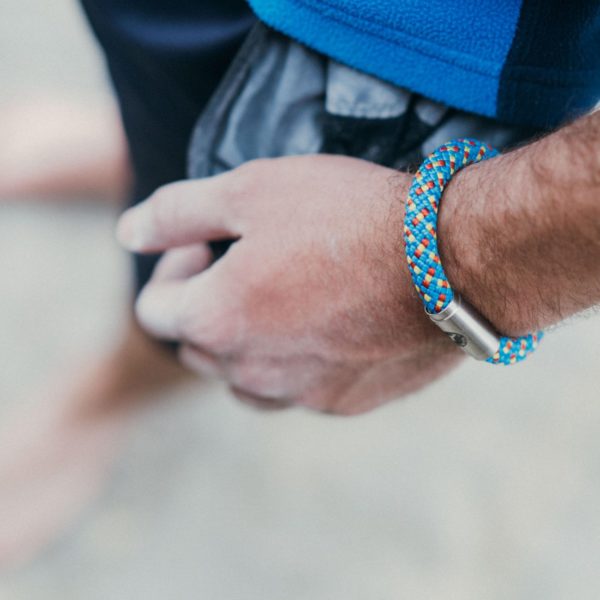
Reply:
x=420 y=236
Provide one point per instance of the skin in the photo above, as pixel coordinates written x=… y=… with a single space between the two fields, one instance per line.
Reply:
x=55 y=148
x=313 y=305
x=57 y=451
x=520 y=234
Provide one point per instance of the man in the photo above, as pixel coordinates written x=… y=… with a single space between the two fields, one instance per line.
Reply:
x=310 y=302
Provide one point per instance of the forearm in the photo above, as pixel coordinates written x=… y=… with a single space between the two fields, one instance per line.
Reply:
x=520 y=234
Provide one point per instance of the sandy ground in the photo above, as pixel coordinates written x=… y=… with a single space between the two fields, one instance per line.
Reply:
x=487 y=485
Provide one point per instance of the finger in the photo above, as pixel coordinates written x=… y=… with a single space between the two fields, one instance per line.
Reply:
x=200 y=361
x=197 y=310
x=182 y=263
x=178 y=214
x=158 y=308
x=259 y=402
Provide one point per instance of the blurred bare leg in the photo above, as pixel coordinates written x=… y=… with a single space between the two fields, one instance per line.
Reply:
x=58 y=148
x=55 y=459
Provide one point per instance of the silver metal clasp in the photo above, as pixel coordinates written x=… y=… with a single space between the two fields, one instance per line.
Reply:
x=467 y=328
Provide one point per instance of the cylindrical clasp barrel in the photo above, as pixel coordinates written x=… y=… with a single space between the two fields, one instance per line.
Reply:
x=467 y=328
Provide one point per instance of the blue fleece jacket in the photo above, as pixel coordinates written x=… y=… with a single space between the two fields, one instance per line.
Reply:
x=530 y=62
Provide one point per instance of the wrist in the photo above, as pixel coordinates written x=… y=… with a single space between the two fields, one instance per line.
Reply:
x=478 y=246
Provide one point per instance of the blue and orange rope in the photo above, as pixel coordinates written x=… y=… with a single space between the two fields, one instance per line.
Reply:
x=420 y=236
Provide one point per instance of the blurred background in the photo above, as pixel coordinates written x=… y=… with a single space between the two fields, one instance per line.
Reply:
x=486 y=485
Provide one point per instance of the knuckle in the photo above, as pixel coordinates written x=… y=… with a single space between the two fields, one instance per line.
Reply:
x=247 y=180
x=212 y=328
x=160 y=207
x=164 y=206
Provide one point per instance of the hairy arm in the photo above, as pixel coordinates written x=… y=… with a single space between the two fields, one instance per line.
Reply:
x=520 y=234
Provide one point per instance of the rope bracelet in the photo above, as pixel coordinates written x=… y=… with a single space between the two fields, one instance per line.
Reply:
x=445 y=307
